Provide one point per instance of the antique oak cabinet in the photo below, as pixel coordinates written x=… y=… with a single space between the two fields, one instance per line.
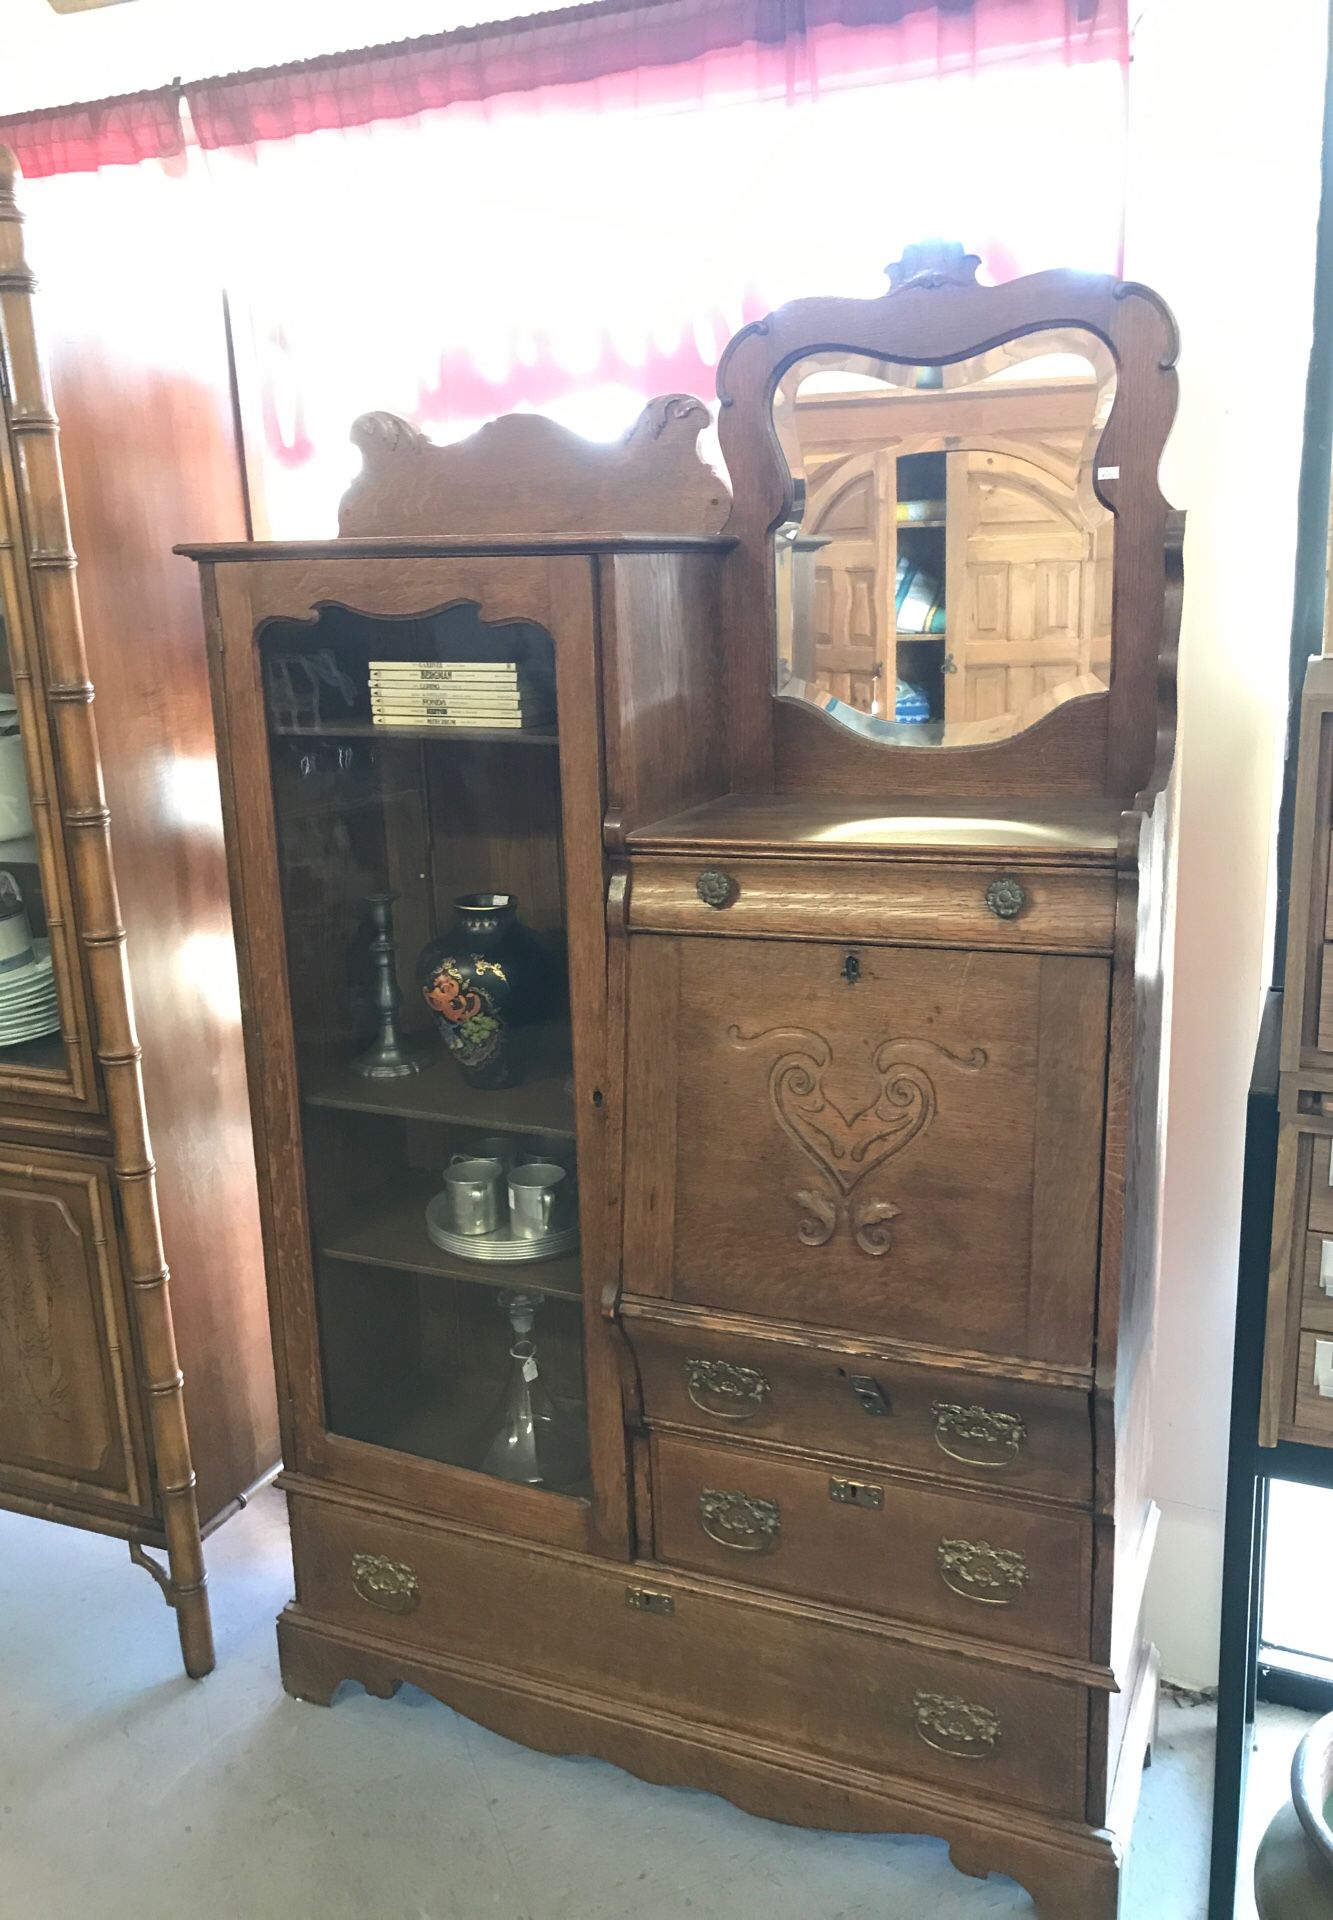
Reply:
x=806 y=1462
x=95 y=1335
x=1298 y=1353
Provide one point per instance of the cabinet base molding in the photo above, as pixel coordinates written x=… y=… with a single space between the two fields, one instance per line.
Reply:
x=1072 y=1872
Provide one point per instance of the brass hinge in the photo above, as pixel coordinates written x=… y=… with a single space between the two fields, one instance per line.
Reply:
x=869 y=1392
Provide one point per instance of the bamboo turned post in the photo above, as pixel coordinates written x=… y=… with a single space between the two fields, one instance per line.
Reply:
x=50 y=560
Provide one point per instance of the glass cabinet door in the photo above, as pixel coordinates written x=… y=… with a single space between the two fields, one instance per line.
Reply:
x=416 y=783
x=35 y=973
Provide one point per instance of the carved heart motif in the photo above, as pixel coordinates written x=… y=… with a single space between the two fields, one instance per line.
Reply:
x=847 y=1138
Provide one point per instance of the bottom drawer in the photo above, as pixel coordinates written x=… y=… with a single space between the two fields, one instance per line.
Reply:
x=1013 y=1574
x=751 y=1664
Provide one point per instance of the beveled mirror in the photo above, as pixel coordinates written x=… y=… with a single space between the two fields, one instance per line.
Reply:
x=948 y=578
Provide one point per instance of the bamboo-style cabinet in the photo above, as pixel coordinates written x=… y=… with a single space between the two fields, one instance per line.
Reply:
x=804 y=1458
x=96 y=1427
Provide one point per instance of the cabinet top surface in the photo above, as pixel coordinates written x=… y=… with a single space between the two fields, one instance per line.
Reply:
x=1083 y=830
x=446 y=546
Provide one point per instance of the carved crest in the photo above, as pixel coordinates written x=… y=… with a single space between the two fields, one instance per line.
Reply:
x=931 y=264
x=847 y=1143
x=524 y=474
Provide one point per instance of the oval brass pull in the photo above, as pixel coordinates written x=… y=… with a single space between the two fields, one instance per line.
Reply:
x=976 y=1436
x=739 y=1520
x=727 y=1392
x=715 y=888
x=975 y=1570
x=1006 y=897
x=957 y=1727
x=390 y=1584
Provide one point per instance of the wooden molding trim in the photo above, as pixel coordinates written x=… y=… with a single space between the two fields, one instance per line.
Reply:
x=55 y=601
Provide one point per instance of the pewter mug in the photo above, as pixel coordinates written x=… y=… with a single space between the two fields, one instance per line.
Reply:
x=534 y=1193
x=473 y=1190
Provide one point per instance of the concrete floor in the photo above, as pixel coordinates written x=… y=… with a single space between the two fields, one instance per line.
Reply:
x=130 y=1793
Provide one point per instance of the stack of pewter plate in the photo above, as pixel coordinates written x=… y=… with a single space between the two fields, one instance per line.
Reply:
x=28 y=999
x=27 y=980
x=458 y=693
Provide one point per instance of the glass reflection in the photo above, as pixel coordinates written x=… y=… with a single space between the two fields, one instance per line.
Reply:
x=949 y=580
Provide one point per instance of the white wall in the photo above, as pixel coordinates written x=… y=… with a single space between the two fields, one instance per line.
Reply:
x=1223 y=192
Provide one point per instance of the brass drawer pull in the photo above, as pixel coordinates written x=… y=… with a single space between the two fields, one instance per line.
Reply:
x=855 y=1493
x=956 y=1727
x=715 y=888
x=1006 y=897
x=977 y=1436
x=390 y=1584
x=975 y=1570
x=649 y=1600
x=739 y=1520
x=869 y=1393
x=726 y=1391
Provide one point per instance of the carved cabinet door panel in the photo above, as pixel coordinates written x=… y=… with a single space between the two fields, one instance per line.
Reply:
x=890 y=1140
x=69 y=1420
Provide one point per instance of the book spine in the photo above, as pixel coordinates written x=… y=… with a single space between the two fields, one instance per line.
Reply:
x=493 y=723
x=453 y=709
x=424 y=670
x=488 y=703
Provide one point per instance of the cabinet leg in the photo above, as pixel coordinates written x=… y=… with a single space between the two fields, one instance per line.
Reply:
x=313 y=1667
x=194 y=1624
x=194 y=1619
x=1063 y=1886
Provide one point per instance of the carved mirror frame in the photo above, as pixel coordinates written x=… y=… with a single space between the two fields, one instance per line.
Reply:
x=935 y=312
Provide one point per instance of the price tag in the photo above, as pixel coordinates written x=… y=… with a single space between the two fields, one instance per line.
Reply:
x=530 y=1369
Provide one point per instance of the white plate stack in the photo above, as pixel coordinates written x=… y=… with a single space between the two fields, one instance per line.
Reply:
x=28 y=998
x=458 y=693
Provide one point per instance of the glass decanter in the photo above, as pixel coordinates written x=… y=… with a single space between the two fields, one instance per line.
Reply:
x=535 y=1442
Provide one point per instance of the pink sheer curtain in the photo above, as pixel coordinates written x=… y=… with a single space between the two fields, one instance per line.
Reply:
x=104 y=133
x=643 y=48
x=578 y=247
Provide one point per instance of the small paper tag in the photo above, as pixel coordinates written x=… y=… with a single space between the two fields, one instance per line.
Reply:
x=1323 y=1369
x=1108 y=473
x=1326 y=1266
x=530 y=1369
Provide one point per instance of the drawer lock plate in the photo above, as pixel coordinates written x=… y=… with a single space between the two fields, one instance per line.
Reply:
x=648 y=1600
x=855 y=1493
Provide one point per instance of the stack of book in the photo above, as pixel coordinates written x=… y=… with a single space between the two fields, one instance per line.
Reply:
x=459 y=694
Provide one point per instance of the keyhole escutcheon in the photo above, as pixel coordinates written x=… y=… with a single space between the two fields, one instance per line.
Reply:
x=851 y=969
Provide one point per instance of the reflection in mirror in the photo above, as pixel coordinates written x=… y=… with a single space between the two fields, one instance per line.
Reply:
x=948 y=582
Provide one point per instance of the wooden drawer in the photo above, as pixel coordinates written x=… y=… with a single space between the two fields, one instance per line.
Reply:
x=850 y=1401
x=909 y=1150
x=759 y=1664
x=1317 y=1283
x=1321 y=1185
x=1314 y=1410
x=1004 y=1572
x=903 y=902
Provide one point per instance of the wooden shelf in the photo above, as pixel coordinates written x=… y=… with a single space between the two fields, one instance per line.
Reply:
x=542 y=1103
x=372 y=730
x=1036 y=831
x=394 y=1235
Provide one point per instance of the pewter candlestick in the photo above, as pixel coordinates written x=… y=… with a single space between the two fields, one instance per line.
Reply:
x=389 y=1058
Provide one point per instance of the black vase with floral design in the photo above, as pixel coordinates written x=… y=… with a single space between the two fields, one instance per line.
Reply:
x=486 y=981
